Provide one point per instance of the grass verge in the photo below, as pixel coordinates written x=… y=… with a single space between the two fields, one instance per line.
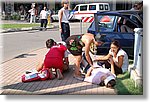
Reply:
x=125 y=85
x=7 y=26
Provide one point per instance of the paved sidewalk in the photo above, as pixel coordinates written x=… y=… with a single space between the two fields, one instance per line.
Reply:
x=13 y=69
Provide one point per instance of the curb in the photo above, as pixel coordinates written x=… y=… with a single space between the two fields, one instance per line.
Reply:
x=26 y=29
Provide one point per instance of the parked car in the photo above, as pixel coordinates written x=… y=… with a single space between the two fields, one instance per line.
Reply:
x=116 y=25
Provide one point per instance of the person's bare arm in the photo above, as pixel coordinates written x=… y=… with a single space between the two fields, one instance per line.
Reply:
x=112 y=65
x=89 y=72
x=87 y=55
x=120 y=61
x=60 y=19
x=102 y=58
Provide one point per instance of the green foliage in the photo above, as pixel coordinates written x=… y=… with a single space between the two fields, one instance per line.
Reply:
x=16 y=17
x=126 y=86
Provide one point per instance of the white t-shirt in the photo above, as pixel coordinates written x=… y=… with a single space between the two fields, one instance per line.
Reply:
x=125 y=59
x=66 y=52
x=65 y=16
x=96 y=75
x=32 y=11
x=43 y=14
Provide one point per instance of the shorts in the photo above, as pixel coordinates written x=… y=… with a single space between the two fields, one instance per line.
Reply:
x=76 y=52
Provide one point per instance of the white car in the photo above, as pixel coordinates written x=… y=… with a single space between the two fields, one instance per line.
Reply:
x=55 y=17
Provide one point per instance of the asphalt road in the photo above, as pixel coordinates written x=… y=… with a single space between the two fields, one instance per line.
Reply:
x=17 y=43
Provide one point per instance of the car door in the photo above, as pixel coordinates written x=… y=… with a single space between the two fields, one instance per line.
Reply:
x=126 y=38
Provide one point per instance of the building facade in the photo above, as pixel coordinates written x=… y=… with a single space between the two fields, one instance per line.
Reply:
x=12 y=9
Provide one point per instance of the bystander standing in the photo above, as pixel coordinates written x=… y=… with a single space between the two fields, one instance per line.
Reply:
x=43 y=17
x=63 y=15
x=32 y=15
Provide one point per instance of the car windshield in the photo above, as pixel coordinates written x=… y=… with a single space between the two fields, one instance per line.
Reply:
x=106 y=21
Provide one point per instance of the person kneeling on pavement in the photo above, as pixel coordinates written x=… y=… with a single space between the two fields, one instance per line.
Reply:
x=55 y=58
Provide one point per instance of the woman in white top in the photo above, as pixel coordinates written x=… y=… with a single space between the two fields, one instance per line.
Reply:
x=63 y=15
x=117 y=58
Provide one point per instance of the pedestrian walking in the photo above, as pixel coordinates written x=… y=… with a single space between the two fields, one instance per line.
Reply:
x=63 y=15
x=43 y=17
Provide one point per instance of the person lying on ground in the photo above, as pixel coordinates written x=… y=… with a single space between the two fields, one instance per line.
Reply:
x=100 y=76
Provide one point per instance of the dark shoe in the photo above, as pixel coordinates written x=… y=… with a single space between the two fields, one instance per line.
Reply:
x=41 y=29
x=59 y=74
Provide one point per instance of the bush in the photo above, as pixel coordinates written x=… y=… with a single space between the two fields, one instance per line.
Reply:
x=15 y=16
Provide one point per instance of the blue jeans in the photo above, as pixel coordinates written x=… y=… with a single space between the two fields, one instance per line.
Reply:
x=65 y=31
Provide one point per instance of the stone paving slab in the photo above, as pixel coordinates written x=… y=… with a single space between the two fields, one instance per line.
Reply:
x=13 y=69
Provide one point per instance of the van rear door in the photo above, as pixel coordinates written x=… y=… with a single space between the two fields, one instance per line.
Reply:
x=104 y=7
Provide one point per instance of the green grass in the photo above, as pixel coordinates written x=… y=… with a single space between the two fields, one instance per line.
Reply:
x=126 y=86
x=7 y=26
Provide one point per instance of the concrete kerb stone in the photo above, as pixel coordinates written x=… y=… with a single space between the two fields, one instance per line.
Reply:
x=25 y=29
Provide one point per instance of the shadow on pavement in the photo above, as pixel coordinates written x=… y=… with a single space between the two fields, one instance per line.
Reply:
x=25 y=55
x=65 y=86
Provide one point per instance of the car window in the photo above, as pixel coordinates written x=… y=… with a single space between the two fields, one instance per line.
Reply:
x=92 y=7
x=76 y=9
x=83 y=8
x=106 y=21
x=128 y=24
x=135 y=19
x=101 y=7
x=106 y=7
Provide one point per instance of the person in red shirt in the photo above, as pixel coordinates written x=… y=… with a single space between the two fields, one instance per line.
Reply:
x=54 y=58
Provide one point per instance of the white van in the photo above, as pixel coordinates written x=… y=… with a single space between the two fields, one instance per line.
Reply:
x=88 y=10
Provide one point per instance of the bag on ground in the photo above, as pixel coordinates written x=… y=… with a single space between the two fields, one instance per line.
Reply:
x=30 y=77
